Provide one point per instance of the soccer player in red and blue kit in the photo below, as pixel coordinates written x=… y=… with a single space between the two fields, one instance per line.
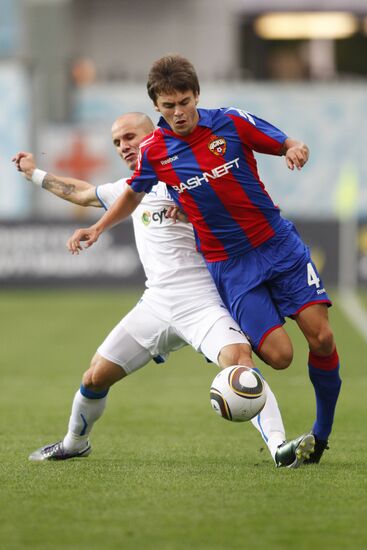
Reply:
x=260 y=265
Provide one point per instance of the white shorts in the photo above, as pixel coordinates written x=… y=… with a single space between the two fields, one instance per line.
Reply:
x=161 y=323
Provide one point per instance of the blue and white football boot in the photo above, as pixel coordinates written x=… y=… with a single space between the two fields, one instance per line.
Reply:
x=56 y=451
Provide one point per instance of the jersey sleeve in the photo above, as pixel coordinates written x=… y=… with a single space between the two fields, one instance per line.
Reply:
x=109 y=192
x=258 y=134
x=144 y=177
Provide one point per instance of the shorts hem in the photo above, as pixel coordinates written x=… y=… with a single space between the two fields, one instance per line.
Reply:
x=266 y=334
x=198 y=341
x=305 y=306
x=117 y=362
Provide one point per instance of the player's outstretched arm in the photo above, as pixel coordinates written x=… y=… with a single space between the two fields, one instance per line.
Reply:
x=70 y=189
x=119 y=211
x=296 y=153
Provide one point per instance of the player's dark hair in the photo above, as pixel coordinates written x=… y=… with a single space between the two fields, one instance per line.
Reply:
x=172 y=73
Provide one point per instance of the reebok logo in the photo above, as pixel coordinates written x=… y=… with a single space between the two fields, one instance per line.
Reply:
x=169 y=160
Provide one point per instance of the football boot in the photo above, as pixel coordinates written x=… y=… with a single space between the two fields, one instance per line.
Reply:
x=56 y=451
x=291 y=454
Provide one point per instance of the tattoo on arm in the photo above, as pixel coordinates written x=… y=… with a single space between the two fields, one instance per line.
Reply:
x=62 y=189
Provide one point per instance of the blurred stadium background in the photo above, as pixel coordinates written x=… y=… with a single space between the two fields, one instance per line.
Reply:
x=69 y=67
x=165 y=472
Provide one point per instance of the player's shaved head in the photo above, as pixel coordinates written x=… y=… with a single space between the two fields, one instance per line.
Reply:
x=128 y=131
x=137 y=119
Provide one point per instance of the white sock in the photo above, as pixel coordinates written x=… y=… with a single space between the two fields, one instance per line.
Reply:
x=269 y=423
x=84 y=413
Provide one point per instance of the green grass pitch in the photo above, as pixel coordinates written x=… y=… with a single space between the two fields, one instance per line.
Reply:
x=166 y=472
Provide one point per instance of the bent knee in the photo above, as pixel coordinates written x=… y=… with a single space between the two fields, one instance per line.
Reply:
x=281 y=363
x=277 y=349
x=322 y=343
x=278 y=359
x=102 y=374
x=235 y=354
x=91 y=376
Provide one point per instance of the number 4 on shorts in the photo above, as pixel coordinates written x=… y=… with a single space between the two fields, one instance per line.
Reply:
x=312 y=277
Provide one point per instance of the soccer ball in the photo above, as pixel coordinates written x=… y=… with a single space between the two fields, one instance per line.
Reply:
x=237 y=393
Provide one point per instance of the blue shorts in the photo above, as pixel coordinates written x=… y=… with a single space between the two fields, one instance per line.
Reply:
x=275 y=280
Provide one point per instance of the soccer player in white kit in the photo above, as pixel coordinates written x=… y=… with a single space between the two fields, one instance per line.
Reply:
x=180 y=305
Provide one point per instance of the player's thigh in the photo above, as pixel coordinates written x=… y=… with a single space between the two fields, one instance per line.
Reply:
x=143 y=334
x=262 y=323
x=314 y=323
x=206 y=325
x=122 y=348
x=225 y=344
x=242 y=285
x=296 y=283
x=257 y=315
x=276 y=349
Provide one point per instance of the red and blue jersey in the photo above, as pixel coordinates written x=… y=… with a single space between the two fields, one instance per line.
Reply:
x=212 y=176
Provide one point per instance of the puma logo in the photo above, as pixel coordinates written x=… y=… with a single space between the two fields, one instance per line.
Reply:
x=237 y=330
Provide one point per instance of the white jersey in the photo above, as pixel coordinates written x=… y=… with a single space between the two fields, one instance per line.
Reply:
x=166 y=249
x=181 y=304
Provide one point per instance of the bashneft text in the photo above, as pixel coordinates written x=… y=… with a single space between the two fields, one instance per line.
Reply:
x=216 y=173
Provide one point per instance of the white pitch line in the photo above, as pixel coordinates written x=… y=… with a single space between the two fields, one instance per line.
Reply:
x=352 y=308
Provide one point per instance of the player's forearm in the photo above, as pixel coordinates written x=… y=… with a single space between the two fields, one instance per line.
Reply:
x=69 y=189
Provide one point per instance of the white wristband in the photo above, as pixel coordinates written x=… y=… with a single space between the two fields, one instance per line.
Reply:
x=38 y=176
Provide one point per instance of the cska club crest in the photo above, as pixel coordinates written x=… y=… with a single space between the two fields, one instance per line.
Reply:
x=217 y=146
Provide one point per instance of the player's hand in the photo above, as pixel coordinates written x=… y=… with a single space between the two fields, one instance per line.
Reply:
x=88 y=235
x=297 y=156
x=25 y=163
x=175 y=214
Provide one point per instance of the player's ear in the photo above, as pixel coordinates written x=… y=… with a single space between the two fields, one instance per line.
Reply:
x=196 y=98
x=156 y=107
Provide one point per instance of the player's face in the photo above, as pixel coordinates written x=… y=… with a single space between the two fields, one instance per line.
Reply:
x=126 y=137
x=179 y=111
